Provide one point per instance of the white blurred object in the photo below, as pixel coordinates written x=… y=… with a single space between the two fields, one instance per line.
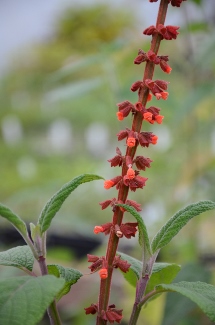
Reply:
x=97 y=138
x=27 y=167
x=12 y=131
x=60 y=136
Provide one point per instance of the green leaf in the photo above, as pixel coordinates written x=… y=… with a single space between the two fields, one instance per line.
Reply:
x=71 y=276
x=56 y=201
x=143 y=234
x=161 y=272
x=23 y=300
x=178 y=221
x=16 y=221
x=20 y=256
x=201 y=293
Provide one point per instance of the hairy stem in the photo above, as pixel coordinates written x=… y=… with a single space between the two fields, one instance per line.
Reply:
x=123 y=191
x=52 y=310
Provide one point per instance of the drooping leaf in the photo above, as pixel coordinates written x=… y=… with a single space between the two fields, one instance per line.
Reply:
x=16 y=221
x=177 y=222
x=161 y=272
x=23 y=300
x=56 y=201
x=201 y=293
x=20 y=256
x=143 y=234
x=71 y=276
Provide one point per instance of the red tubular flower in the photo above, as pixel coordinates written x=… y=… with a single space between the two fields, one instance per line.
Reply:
x=112 y=314
x=150 y=30
x=124 y=109
x=153 y=57
x=176 y=3
x=103 y=273
x=145 y=138
x=131 y=142
x=130 y=173
x=149 y=97
x=121 y=264
x=142 y=57
x=97 y=229
x=134 y=204
x=142 y=162
x=159 y=118
x=163 y=94
x=120 y=116
x=93 y=309
x=136 y=182
x=112 y=182
x=165 y=67
x=136 y=85
x=129 y=229
x=116 y=160
x=105 y=228
x=169 y=32
x=148 y=116
x=154 y=139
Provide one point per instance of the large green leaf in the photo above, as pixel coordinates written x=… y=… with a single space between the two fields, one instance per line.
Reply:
x=143 y=234
x=201 y=293
x=178 y=221
x=161 y=272
x=71 y=276
x=23 y=300
x=56 y=201
x=16 y=221
x=20 y=256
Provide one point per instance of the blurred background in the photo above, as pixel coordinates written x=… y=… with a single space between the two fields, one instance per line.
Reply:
x=64 y=65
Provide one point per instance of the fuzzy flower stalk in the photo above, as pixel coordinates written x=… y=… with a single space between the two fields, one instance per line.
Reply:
x=130 y=178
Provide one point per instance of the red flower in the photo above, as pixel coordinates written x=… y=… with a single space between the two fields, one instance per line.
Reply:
x=176 y=3
x=120 y=116
x=165 y=67
x=136 y=182
x=129 y=229
x=117 y=160
x=131 y=142
x=153 y=57
x=145 y=138
x=159 y=118
x=124 y=109
x=98 y=229
x=163 y=94
x=106 y=203
x=142 y=162
x=103 y=273
x=112 y=182
x=136 y=85
x=154 y=139
x=169 y=32
x=93 y=309
x=134 y=204
x=112 y=315
x=130 y=173
x=142 y=57
x=149 y=97
x=150 y=30
x=148 y=117
x=121 y=264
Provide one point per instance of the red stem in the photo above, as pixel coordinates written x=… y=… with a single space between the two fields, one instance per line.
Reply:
x=123 y=191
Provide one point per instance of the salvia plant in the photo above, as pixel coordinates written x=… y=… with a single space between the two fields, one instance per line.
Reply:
x=23 y=300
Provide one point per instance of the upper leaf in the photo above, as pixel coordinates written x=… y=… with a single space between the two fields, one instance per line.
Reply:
x=201 y=293
x=56 y=201
x=178 y=221
x=161 y=272
x=16 y=221
x=20 y=256
x=71 y=276
x=143 y=234
x=23 y=300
